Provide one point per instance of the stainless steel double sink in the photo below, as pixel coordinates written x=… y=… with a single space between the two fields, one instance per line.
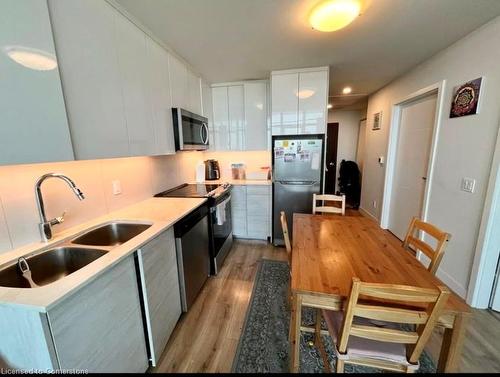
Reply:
x=51 y=265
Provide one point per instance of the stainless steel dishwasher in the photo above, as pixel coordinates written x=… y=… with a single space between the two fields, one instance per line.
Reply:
x=193 y=254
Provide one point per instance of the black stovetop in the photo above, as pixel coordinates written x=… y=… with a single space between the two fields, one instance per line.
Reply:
x=199 y=190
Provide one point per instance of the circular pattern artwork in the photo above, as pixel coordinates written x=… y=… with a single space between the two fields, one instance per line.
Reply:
x=466 y=99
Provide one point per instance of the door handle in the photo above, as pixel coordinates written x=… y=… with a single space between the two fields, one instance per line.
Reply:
x=298 y=183
x=424 y=178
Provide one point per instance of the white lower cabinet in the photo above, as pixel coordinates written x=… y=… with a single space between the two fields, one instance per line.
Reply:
x=251 y=211
x=119 y=322
x=99 y=328
x=157 y=264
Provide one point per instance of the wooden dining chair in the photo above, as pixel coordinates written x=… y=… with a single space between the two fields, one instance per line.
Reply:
x=286 y=237
x=288 y=246
x=368 y=332
x=329 y=209
x=412 y=241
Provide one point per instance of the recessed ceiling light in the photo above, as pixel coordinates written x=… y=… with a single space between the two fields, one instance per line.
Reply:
x=347 y=90
x=31 y=58
x=305 y=93
x=331 y=15
x=329 y=106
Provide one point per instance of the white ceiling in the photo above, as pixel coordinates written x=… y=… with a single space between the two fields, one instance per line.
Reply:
x=229 y=40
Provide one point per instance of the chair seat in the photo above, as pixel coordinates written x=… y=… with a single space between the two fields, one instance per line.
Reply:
x=366 y=348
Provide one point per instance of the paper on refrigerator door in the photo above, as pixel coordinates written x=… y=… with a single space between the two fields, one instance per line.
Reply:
x=315 y=161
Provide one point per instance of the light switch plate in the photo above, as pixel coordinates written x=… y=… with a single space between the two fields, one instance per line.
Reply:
x=117 y=187
x=381 y=160
x=468 y=184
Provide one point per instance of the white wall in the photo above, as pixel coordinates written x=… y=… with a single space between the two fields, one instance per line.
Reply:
x=348 y=121
x=141 y=178
x=465 y=145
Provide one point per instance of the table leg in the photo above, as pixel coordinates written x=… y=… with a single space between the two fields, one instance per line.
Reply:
x=295 y=327
x=452 y=344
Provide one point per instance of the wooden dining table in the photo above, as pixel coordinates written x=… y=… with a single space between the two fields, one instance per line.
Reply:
x=328 y=251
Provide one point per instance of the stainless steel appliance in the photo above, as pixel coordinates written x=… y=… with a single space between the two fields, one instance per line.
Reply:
x=190 y=130
x=220 y=222
x=192 y=241
x=212 y=170
x=297 y=175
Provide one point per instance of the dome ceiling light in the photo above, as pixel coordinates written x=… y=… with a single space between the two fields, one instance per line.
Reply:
x=31 y=58
x=332 y=15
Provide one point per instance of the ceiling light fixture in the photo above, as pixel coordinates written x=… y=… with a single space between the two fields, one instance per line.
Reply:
x=331 y=15
x=31 y=58
x=347 y=90
x=305 y=93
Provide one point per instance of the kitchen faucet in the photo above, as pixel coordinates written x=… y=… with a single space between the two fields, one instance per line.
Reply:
x=45 y=225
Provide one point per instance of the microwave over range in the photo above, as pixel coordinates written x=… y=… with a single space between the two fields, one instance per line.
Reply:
x=190 y=130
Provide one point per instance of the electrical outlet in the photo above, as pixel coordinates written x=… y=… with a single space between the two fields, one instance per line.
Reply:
x=374 y=204
x=468 y=185
x=117 y=187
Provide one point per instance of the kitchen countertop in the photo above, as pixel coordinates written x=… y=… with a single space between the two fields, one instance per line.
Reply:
x=241 y=182
x=161 y=213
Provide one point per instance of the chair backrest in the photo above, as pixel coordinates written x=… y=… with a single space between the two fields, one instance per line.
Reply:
x=329 y=209
x=286 y=236
x=435 y=254
x=389 y=303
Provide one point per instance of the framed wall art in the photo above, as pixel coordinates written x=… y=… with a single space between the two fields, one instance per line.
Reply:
x=377 y=121
x=465 y=100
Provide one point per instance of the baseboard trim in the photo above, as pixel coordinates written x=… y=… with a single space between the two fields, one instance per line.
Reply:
x=365 y=213
x=452 y=283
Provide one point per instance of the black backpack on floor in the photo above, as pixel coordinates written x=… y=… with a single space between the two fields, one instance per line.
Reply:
x=350 y=183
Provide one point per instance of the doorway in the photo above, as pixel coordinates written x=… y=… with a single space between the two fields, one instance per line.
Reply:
x=332 y=140
x=412 y=161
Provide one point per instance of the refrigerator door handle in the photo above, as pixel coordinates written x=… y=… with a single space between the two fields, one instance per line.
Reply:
x=298 y=183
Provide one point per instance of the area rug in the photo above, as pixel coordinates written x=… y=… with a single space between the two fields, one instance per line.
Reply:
x=263 y=346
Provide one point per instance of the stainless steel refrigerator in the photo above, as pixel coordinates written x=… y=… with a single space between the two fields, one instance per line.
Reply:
x=297 y=175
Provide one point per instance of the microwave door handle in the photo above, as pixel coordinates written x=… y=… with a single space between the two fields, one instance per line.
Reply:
x=205 y=127
x=201 y=134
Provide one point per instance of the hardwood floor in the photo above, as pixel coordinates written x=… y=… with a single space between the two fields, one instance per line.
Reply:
x=206 y=338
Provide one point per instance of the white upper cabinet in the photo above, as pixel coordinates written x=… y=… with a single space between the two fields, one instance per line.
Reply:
x=285 y=103
x=133 y=62
x=194 y=93
x=236 y=106
x=221 y=118
x=85 y=40
x=160 y=98
x=179 y=83
x=299 y=101
x=256 y=115
x=33 y=123
x=240 y=110
x=313 y=107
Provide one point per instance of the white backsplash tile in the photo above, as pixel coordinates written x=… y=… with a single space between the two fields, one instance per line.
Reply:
x=134 y=175
x=18 y=195
x=165 y=172
x=140 y=178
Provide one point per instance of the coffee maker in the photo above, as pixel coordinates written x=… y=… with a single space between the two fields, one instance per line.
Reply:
x=212 y=170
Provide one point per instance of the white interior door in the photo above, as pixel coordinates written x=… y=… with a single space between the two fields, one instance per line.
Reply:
x=412 y=160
